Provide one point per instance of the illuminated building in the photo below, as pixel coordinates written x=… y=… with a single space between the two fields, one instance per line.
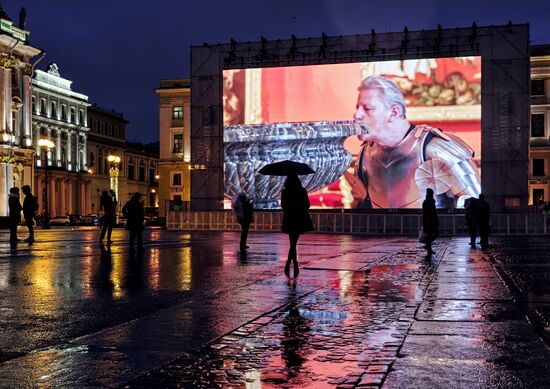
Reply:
x=136 y=167
x=539 y=148
x=175 y=143
x=16 y=137
x=59 y=115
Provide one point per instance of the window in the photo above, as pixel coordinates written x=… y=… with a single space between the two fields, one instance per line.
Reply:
x=178 y=143
x=33 y=104
x=176 y=179
x=537 y=88
x=80 y=116
x=537 y=125
x=177 y=113
x=73 y=115
x=100 y=163
x=131 y=172
x=538 y=167
x=152 y=179
x=53 y=109
x=63 y=112
x=43 y=106
x=141 y=173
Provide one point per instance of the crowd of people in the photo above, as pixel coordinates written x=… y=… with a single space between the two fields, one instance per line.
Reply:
x=133 y=210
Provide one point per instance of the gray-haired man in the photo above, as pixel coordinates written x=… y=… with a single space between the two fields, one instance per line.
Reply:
x=400 y=160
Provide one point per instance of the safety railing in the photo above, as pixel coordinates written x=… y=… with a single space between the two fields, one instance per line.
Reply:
x=358 y=223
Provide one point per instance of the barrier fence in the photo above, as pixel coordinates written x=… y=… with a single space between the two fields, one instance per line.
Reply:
x=356 y=223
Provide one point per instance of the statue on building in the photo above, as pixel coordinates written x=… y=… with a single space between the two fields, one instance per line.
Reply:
x=22 y=18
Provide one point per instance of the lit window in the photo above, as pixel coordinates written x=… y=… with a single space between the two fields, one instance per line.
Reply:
x=177 y=112
x=178 y=143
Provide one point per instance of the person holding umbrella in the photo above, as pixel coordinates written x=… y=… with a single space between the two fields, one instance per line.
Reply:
x=296 y=219
x=295 y=204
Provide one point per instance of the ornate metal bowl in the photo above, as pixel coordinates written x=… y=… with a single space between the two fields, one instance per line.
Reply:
x=248 y=148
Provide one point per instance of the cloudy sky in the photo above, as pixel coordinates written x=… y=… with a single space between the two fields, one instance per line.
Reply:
x=117 y=51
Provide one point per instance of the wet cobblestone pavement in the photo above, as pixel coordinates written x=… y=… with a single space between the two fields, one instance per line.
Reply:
x=194 y=312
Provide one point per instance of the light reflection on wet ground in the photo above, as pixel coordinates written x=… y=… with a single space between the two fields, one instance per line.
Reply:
x=192 y=311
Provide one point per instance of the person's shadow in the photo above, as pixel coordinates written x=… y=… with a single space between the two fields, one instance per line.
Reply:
x=295 y=339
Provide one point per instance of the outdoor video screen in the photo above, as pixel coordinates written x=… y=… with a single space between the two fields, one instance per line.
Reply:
x=377 y=134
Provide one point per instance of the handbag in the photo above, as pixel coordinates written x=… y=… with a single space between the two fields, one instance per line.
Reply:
x=422 y=236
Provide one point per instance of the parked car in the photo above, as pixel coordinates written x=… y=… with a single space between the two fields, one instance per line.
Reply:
x=76 y=220
x=120 y=221
x=60 y=221
x=90 y=220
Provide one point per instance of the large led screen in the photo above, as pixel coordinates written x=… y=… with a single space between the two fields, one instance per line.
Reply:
x=377 y=134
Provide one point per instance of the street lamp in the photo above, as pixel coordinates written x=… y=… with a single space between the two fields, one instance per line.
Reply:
x=113 y=173
x=47 y=145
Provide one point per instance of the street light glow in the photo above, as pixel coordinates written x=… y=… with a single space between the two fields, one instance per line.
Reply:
x=46 y=143
x=113 y=158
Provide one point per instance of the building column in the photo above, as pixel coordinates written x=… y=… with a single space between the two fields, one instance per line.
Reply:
x=49 y=154
x=58 y=147
x=39 y=192
x=27 y=104
x=62 y=197
x=69 y=150
x=88 y=198
x=84 y=152
x=70 y=197
x=77 y=152
x=51 y=195
x=82 y=196
x=6 y=182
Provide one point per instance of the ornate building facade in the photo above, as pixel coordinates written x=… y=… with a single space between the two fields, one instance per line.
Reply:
x=539 y=150
x=175 y=143
x=60 y=116
x=16 y=137
x=133 y=171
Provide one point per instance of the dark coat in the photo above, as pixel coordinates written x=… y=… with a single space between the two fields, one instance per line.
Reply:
x=430 y=221
x=295 y=204
x=14 y=208
x=109 y=208
x=30 y=206
x=135 y=215
x=484 y=214
x=472 y=212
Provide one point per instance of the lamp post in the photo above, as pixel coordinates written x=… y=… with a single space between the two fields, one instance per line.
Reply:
x=47 y=145
x=113 y=173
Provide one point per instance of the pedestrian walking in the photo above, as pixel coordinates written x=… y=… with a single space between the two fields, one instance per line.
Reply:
x=472 y=219
x=484 y=219
x=30 y=206
x=430 y=220
x=296 y=219
x=108 y=203
x=135 y=216
x=15 y=208
x=244 y=212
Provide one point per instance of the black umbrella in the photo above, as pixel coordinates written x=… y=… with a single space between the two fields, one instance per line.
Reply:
x=286 y=168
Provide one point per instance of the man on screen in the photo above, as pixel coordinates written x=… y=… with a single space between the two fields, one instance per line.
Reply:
x=399 y=160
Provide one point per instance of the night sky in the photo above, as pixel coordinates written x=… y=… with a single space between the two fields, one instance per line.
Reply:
x=117 y=51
